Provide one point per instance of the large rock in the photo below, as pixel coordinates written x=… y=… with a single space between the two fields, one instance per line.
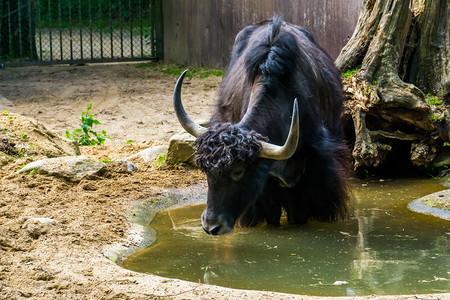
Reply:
x=72 y=167
x=181 y=149
x=436 y=204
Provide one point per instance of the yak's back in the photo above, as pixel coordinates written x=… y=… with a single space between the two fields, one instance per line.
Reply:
x=280 y=55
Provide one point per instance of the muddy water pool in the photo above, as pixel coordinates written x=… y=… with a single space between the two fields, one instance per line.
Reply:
x=383 y=248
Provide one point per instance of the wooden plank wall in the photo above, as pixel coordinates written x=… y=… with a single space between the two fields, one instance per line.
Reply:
x=202 y=32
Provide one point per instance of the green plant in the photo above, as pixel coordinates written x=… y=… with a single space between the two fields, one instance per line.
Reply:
x=24 y=135
x=83 y=134
x=434 y=117
x=350 y=72
x=5 y=112
x=433 y=100
x=159 y=160
x=106 y=160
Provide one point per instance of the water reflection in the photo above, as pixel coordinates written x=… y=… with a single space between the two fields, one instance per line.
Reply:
x=382 y=249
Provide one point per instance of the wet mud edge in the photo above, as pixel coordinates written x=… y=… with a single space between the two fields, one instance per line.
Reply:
x=141 y=235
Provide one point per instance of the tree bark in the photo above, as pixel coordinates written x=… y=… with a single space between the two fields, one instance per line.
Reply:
x=398 y=95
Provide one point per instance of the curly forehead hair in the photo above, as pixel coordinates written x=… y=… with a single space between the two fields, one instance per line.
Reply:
x=223 y=146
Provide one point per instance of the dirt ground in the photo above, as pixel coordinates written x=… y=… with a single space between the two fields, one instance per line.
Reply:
x=91 y=217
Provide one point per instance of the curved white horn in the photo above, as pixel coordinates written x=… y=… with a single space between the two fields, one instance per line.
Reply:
x=188 y=124
x=275 y=152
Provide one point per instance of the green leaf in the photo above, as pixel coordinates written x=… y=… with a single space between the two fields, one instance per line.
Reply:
x=89 y=121
x=85 y=127
x=101 y=139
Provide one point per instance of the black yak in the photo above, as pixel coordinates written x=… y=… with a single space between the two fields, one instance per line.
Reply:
x=251 y=177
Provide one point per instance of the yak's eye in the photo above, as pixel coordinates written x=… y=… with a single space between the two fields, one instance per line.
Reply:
x=237 y=173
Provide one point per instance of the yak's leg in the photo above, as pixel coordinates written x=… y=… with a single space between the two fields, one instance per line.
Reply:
x=296 y=210
x=266 y=208
x=322 y=192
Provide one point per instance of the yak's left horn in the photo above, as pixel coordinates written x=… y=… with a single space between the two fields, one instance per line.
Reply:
x=275 y=152
x=187 y=123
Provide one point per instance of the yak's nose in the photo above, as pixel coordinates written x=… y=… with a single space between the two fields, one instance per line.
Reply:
x=214 y=230
x=215 y=226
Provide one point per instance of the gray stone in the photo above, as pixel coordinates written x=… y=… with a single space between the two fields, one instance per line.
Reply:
x=130 y=167
x=149 y=154
x=436 y=204
x=181 y=149
x=36 y=227
x=70 y=167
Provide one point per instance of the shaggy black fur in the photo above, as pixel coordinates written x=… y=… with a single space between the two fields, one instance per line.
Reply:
x=283 y=62
x=224 y=146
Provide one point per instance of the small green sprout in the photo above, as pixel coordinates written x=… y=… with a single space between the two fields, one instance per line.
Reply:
x=159 y=160
x=349 y=73
x=83 y=134
x=433 y=100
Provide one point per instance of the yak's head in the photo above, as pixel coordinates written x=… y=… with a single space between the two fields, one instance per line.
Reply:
x=231 y=158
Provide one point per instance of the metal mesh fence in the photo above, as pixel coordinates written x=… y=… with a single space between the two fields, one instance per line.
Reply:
x=62 y=31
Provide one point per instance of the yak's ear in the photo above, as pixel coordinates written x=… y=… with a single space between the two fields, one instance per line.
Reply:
x=288 y=174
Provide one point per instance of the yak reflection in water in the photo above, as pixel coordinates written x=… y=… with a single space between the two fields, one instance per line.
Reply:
x=382 y=249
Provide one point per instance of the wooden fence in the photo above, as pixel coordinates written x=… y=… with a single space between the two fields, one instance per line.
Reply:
x=202 y=32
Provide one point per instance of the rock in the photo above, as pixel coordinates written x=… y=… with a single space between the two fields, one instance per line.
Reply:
x=130 y=166
x=71 y=167
x=436 y=204
x=181 y=149
x=149 y=154
x=36 y=227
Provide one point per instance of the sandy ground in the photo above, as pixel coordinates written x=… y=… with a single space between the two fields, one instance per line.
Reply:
x=92 y=217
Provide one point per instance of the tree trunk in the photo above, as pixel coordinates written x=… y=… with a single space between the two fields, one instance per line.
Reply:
x=18 y=30
x=398 y=95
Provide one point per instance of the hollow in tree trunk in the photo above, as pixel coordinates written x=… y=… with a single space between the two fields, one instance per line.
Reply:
x=396 y=74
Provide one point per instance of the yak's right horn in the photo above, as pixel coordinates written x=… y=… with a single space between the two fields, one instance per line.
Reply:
x=276 y=152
